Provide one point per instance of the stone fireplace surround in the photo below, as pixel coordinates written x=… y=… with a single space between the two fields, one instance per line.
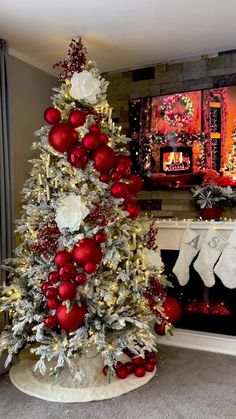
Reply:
x=169 y=235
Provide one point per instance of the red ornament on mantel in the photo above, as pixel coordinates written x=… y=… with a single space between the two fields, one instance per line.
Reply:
x=73 y=319
x=78 y=157
x=77 y=118
x=62 y=137
x=52 y=115
x=104 y=158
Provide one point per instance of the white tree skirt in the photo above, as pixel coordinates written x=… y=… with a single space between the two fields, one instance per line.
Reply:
x=64 y=389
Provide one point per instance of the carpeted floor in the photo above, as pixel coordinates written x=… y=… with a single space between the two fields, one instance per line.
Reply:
x=189 y=384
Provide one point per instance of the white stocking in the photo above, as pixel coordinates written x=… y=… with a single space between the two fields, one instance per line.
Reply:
x=211 y=249
x=189 y=246
x=225 y=268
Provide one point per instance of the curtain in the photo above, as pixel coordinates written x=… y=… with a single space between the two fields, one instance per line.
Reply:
x=6 y=177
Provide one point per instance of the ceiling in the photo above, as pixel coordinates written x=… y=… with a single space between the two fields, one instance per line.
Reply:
x=119 y=34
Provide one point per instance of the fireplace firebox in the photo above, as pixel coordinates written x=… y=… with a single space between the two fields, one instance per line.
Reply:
x=175 y=160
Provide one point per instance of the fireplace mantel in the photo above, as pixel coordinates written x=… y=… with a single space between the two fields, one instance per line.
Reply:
x=169 y=236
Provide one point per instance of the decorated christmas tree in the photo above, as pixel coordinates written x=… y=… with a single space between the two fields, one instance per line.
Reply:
x=230 y=167
x=79 y=277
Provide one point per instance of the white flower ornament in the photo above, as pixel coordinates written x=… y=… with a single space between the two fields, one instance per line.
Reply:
x=70 y=213
x=84 y=86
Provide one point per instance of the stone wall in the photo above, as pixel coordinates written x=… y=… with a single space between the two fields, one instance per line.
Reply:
x=199 y=73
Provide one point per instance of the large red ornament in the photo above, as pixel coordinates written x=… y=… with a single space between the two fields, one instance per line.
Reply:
x=72 y=319
x=77 y=118
x=94 y=128
x=133 y=209
x=78 y=157
x=139 y=371
x=87 y=250
x=50 y=322
x=62 y=137
x=53 y=277
x=136 y=183
x=91 y=141
x=52 y=115
x=67 y=272
x=104 y=158
x=160 y=329
x=119 y=190
x=172 y=309
x=90 y=268
x=67 y=291
x=62 y=258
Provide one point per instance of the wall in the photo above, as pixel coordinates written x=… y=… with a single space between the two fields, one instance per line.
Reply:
x=199 y=73
x=30 y=91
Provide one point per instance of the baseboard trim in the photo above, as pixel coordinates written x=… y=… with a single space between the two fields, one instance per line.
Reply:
x=202 y=341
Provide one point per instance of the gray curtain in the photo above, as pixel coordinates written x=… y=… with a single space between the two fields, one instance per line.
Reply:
x=6 y=177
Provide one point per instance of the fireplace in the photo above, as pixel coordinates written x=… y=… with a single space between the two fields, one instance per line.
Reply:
x=175 y=160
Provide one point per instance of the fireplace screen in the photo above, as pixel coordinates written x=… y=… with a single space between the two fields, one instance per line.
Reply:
x=175 y=160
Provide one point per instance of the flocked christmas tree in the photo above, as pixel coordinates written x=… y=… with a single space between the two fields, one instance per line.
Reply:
x=79 y=277
x=230 y=167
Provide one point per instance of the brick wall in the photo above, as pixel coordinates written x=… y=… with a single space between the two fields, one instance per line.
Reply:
x=199 y=73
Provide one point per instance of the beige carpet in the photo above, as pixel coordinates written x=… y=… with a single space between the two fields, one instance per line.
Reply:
x=189 y=384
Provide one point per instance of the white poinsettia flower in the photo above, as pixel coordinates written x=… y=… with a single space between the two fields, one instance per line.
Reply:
x=70 y=213
x=152 y=258
x=85 y=86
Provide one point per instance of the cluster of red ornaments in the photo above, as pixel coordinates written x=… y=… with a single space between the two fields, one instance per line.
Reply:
x=47 y=239
x=138 y=365
x=63 y=137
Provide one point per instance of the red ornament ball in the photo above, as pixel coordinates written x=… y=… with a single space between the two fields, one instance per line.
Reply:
x=81 y=279
x=118 y=365
x=136 y=183
x=172 y=309
x=122 y=373
x=52 y=303
x=87 y=250
x=105 y=370
x=91 y=141
x=67 y=272
x=104 y=158
x=50 y=322
x=133 y=209
x=73 y=319
x=67 y=291
x=123 y=160
x=100 y=237
x=78 y=157
x=149 y=366
x=53 y=277
x=122 y=170
x=62 y=258
x=129 y=367
x=77 y=118
x=139 y=371
x=90 y=268
x=116 y=176
x=153 y=360
x=137 y=362
x=119 y=190
x=45 y=287
x=62 y=137
x=103 y=138
x=160 y=329
x=104 y=178
x=94 y=128
x=51 y=293
x=52 y=115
